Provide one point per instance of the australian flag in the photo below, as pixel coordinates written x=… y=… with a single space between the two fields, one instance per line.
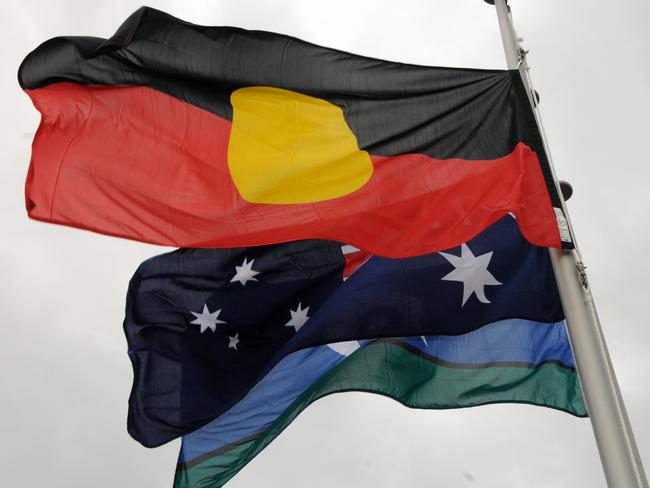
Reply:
x=226 y=343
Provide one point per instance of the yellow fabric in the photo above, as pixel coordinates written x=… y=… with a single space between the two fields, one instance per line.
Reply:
x=286 y=147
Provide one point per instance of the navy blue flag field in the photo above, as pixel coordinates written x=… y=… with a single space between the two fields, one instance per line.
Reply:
x=229 y=345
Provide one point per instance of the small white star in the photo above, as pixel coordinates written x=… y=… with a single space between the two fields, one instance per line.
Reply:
x=298 y=317
x=233 y=341
x=472 y=272
x=206 y=319
x=245 y=272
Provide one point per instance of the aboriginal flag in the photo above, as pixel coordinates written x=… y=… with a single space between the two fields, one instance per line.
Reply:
x=193 y=136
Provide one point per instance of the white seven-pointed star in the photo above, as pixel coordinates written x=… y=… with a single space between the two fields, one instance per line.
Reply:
x=207 y=320
x=245 y=272
x=233 y=341
x=472 y=272
x=298 y=317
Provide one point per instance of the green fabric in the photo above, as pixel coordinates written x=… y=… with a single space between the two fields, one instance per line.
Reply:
x=388 y=369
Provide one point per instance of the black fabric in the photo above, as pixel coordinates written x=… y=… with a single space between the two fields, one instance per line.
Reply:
x=380 y=99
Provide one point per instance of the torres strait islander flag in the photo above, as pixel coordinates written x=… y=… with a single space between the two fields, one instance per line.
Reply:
x=193 y=136
x=229 y=345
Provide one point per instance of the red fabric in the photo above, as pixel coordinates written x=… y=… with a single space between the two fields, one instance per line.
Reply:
x=354 y=258
x=136 y=163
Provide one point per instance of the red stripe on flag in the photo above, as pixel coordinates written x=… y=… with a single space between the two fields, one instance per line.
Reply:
x=136 y=163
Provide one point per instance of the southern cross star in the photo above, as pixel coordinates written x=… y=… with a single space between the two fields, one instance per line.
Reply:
x=245 y=272
x=206 y=319
x=472 y=272
x=233 y=341
x=298 y=317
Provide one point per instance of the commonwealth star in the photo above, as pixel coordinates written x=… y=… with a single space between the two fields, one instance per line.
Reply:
x=472 y=272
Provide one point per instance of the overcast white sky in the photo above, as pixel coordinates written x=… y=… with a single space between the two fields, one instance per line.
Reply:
x=65 y=376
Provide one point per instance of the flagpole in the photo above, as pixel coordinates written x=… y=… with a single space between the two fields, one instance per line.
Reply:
x=618 y=451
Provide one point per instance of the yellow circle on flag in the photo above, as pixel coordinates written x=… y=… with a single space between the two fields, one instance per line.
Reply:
x=286 y=147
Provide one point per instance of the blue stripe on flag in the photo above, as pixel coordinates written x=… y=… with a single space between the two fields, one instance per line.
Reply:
x=507 y=340
x=511 y=340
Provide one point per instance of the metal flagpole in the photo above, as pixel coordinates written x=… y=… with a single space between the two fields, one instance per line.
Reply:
x=618 y=452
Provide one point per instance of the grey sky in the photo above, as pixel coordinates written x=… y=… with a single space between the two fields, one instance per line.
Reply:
x=65 y=376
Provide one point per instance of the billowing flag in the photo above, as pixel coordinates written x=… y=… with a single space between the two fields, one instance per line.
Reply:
x=194 y=136
x=229 y=345
x=508 y=361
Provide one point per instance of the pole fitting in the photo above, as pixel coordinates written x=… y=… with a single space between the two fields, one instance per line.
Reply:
x=565 y=186
x=521 y=52
x=582 y=274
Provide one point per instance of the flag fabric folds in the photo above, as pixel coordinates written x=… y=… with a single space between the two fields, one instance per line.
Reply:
x=292 y=158
x=229 y=345
x=520 y=361
x=194 y=136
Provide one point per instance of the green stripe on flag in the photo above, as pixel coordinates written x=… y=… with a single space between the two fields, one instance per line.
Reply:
x=389 y=369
